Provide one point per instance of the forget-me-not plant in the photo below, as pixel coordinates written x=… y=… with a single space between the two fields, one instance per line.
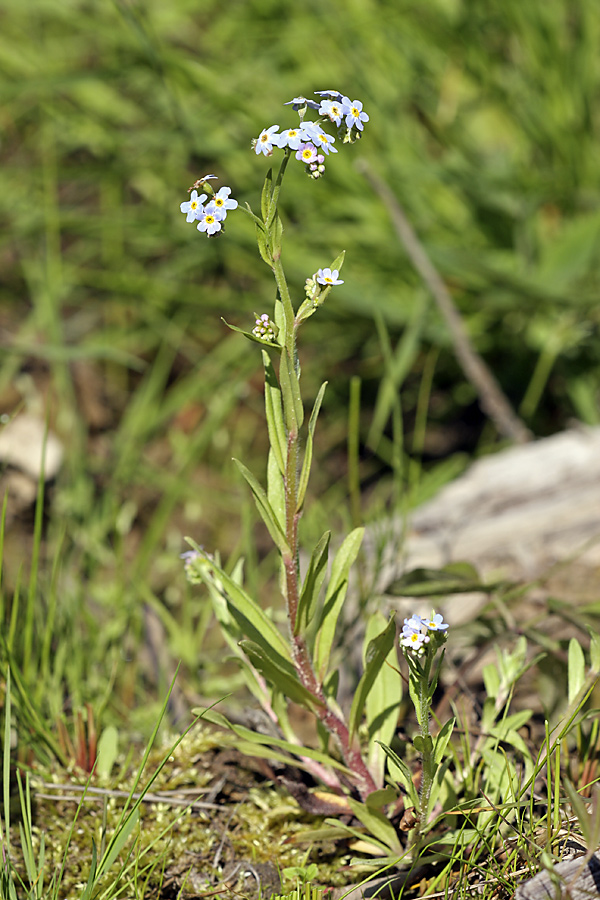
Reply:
x=301 y=667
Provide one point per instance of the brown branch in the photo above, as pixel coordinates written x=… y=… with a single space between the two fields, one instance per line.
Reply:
x=492 y=399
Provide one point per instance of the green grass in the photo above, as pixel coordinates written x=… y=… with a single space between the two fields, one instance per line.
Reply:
x=483 y=123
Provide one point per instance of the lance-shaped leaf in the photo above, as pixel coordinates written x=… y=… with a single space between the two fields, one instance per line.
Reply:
x=338 y=261
x=317 y=570
x=292 y=399
x=441 y=741
x=230 y=627
x=307 y=461
x=334 y=599
x=400 y=770
x=377 y=823
x=266 y=195
x=264 y=508
x=274 y=413
x=275 y=228
x=376 y=654
x=455 y=578
x=251 y=337
x=276 y=489
x=379 y=847
x=594 y=650
x=281 y=674
x=267 y=740
x=252 y=621
x=263 y=246
x=383 y=701
x=576 y=669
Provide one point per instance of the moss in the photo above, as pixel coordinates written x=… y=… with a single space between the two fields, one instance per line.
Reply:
x=242 y=836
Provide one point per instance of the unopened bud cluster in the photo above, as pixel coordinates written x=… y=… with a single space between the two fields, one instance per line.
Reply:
x=265 y=329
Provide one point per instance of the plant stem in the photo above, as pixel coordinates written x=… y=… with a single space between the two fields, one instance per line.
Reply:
x=350 y=751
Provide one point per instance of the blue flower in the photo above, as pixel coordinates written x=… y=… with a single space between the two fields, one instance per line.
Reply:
x=333 y=95
x=266 y=139
x=328 y=276
x=211 y=219
x=413 y=640
x=436 y=623
x=311 y=131
x=333 y=110
x=301 y=102
x=222 y=202
x=354 y=114
x=307 y=153
x=193 y=206
x=189 y=555
x=325 y=141
x=415 y=622
x=291 y=138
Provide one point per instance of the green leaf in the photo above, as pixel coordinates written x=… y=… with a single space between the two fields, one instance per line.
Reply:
x=281 y=674
x=338 y=261
x=250 y=618
x=383 y=701
x=276 y=232
x=276 y=489
x=313 y=581
x=252 y=337
x=334 y=599
x=376 y=654
x=274 y=413
x=247 y=209
x=456 y=578
x=576 y=669
x=263 y=247
x=292 y=399
x=379 y=799
x=491 y=680
x=265 y=740
x=423 y=743
x=376 y=823
x=594 y=650
x=108 y=750
x=307 y=461
x=441 y=741
x=266 y=195
x=588 y=823
x=399 y=769
x=118 y=842
x=379 y=847
x=264 y=508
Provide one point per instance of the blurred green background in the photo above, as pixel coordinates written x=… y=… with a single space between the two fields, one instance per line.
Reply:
x=484 y=121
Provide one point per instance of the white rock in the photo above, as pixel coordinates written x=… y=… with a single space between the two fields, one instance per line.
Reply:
x=22 y=444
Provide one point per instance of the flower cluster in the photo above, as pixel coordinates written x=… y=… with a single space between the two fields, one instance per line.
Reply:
x=309 y=141
x=265 y=329
x=418 y=631
x=210 y=217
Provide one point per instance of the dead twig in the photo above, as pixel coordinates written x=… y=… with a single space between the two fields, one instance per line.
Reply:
x=492 y=399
